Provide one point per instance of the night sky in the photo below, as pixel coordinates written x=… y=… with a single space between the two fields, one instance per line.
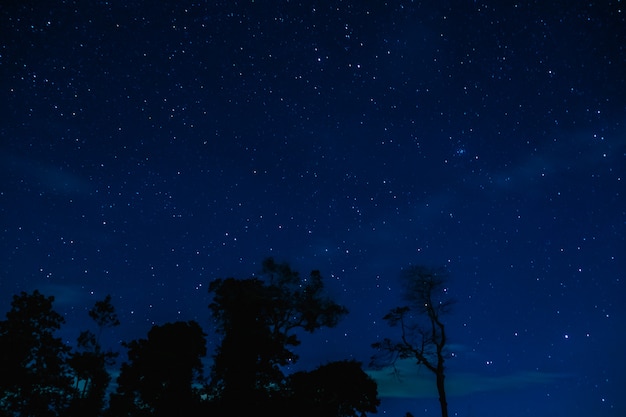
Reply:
x=149 y=147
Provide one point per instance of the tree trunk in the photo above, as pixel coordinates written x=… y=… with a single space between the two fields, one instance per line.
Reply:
x=442 y=392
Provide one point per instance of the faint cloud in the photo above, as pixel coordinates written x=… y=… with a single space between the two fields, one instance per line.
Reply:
x=64 y=295
x=408 y=380
x=467 y=383
x=53 y=179
x=394 y=384
x=571 y=153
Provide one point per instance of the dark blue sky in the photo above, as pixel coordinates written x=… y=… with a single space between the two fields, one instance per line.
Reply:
x=147 y=148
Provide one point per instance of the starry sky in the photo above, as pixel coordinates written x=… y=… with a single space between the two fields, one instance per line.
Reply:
x=148 y=147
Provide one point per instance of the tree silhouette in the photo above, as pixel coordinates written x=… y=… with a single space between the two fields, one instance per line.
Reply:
x=422 y=331
x=89 y=362
x=103 y=313
x=337 y=389
x=158 y=379
x=248 y=358
x=34 y=379
x=257 y=319
x=299 y=303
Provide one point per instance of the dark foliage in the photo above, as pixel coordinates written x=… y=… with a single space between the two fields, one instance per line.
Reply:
x=338 y=389
x=158 y=379
x=89 y=363
x=34 y=378
x=103 y=313
x=247 y=362
x=257 y=318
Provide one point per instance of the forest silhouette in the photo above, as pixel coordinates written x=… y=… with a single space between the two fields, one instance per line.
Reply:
x=258 y=320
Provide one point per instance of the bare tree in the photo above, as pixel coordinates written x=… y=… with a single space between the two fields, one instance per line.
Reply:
x=422 y=331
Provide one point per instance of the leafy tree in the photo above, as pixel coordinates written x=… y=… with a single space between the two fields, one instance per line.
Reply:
x=422 y=331
x=257 y=319
x=248 y=358
x=299 y=303
x=89 y=362
x=160 y=375
x=103 y=313
x=337 y=389
x=33 y=380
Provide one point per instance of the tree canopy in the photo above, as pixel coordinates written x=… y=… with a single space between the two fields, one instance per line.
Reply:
x=258 y=321
x=159 y=377
x=34 y=380
x=89 y=362
x=337 y=389
x=257 y=318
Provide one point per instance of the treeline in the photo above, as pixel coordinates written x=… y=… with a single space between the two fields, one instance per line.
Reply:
x=257 y=322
